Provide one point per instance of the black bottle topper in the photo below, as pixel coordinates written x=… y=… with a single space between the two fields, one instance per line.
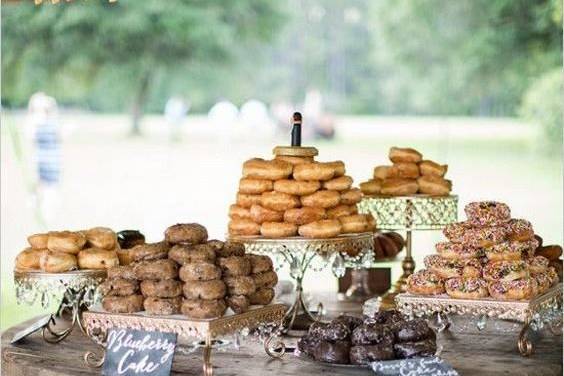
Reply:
x=297 y=129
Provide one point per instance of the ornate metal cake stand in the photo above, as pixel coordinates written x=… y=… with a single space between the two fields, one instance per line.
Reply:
x=264 y=321
x=75 y=290
x=348 y=250
x=408 y=213
x=534 y=314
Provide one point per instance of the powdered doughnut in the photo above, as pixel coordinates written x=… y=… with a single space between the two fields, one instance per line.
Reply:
x=351 y=196
x=296 y=187
x=155 y=270
x=234 y=266
x=278 y=229
x=208 y=290
x=29 y=259
x=520 y=230
x=342 y=183
x=199 y=271
x=65 y=241
x=119 y=287
x=239 y=212
x=166 y=288
x=301 y=216
x=431 y=168
x=466 y=288
x=96 y=258
x=57 y=262
x=538 y=264
x=371 y=187
x=231 y=249
x=425 y=282
x=279 y=201
x=338 y=167
x=404 y=170
x=186 y=254
x=260 y=214
x=382 y=172
x=242 y=285
x=457 y=251
x=341 y=210
x=269 y=170
x=101 y=237
x=246 y=201
x=325 y=228
x=38 y=241
x=353 y=223
x=398 y=155
x=193 y=233
x=506 y=270
x=294 y=160
x=162 y=306
x=434 y=185
x=203 y=309
x=322 y=199
x=513 y=290
x=244 y=227
x=260 y=263
x=149 y=251
x=262 y=296
x=238 y=303
x=511 y=250
x=265 y=280
x=314 y=171
x=399 y=187
x=254 y=186
x=123 y=304
x=487 y=213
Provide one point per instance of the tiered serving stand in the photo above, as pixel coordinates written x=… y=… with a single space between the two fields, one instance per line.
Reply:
x=407 y=213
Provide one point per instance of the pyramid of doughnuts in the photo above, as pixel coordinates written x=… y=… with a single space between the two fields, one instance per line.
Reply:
x=489 y=254
x=409 y=174
x=290 y=196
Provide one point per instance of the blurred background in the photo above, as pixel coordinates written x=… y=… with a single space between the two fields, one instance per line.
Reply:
x=138 y=114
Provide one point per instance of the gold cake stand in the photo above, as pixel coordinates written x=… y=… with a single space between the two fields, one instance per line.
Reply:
x=301 y=254
x=75 y=290
x=408 y=213
x=545 y=309
x=264 y=321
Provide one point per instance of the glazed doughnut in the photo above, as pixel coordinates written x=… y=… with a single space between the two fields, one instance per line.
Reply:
x=260 y=215
x=342 y=183
x=238 y=303
x=506 y=270
x=260 y=263
x=323 y=229
x=29 y=258
x=121 y=271
x=381 y=172
x=487 y=213
x=162 y=306
x=296 y=187
x=231 y=249
x=425 y=282
x=551 y=252
x=371 y=187
x=244 y=227
x=341 y=210
x=279 y=201
x=351 y=196
x=472 y=268
x=294 y=160
x=265 y=280
x=203 y=309
x=517 y=289
x=149 y=251
x=199 y=271
x=544 y=282
x=208 y=290
x=242 y=285
x=234 y=266
x=404 y=170
x=130 y=238
x=301 y=216
x=156 y=270
x=193 y=233
x=372 y=226
x=96 y=258
x=57 y=262
x=466 y=288
x=399 y=187
x=520 y=230
x=239 y=212
x=353 y=223
x=254 y=186
x=166 y=288
x=314 y=171
x=185 y=254
x=262 y=296
x=278 y=229
x=538 y=264
x=475 y=237
x=246 y=201
x=123 y=304
x=269 y=170
x=322 y=199
x=338 y=167
x=431 y=168
x=101 y=237
x=119 y=287
x=38 y=241
x=398 y=155
x=457 y=251
x=65 y=241
x=511 y=250
x=444 y=268
x=434 y=185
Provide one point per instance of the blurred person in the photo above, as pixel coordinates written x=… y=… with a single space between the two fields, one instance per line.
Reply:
x=281 y=113
x=255 y=119
x=175 y=112
x=222 y=117
x=321 y=124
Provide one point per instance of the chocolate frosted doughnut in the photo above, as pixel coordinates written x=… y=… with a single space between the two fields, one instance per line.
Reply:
x=234 y=266
x=316 y=328
x=149 y=251
x=162 y=306
x=334 y=331
x=350 y=321
x=262 y=296
x=389 y=317
x=307 y=344
x=199 y=271
x=366 y=354
x=238 y=303
x=208 y=290
x=266 y=279
x=487 y=213
x=329 y=352
x=203 y=309
x=242 y=285
x=158 y=269
x=121 y=271
x=231 y=249
x=186 y=254
x=130 y=238
x=412 y=331
x=166 y=288
x=192 y=233
x=372 y=334
x=260 y=263
x=123 y=304
x=119 y=287
x=415 y=349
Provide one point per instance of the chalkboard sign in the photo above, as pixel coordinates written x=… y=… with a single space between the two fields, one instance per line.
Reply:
x=138 y=352
x=39 y=324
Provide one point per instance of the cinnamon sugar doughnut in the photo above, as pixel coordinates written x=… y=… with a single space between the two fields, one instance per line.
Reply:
x=338 y=167
x=186 y=254
x=351 y=196
x=314 y=171
x=511 y=250
x=239 y=212
x=404 y=170
x=246 y=201
x=296 y=187
x=269 y=170
x=193 y=233
x=234 y=266
x=434 y=185
x=457 y=251
x=149 y=251
x=506 y=270
x=325 y=228
x=244 y=227
x=262 y=296
x=322 y=199
x=199 y=271
x=301 y=216
x=342 y=183
x=431 y=168
x=279 y=201
x=119 y=287
x=278 y=229
x=294 y=160
x=155 y=270
x=353 y=223
x=166 y=288
x=260 y=263
x=399 y=187
x=341 y=210
x=162 y=306
x=231 y=249
x=381 y=172
x=123 y=304
x=520 y=230
x=28 y=259
x=238 y=303
x=57 y=262
x=97 y=258
x=101 y=237
x=260 y=215
x=466 y=288
x=121 y=271
x=242 y=285
x=425 y=282
x=398 y=155
x=487 y=213
x=518 y=289
x=254 y=186
x=65 y=241
x=203 y=309
x=371 y=187
x=265 y=280
x=208 y=290
x=38 y=241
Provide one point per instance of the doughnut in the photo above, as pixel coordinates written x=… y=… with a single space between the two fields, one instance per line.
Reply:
x=185 y=254
x=101 y=237
x=260 y=215
x=119 y=287
x=254 y=186
x=167 y=288
x=351 y=196
x=279 y=201
x=262 y=296
x=296 y=187
x=301 y=216
x=242 y=285
x=381 y=172
x=121 y=271
x=186 y=233
x=333 y=331
x=551 y=252
x=539 y=239
x=238 y=303
x=265 y=280
x=29 y=258
x=352 y=322
x=538 y=264
x=444 y=268
x=65 y=241
x=124 y=256
x=342 y=183
x=57 y=262
x=476 y=237
x=278 y=229
x=420 y=349
x=371 y=187
x=506 y=270
x=434 y=185
x=341 y=210
x=96 y=258
x=553 y=274
x=231 y=249
x=38 y=241
x=404 y=170
x=123 y=304
x=199 y=271
x=260 y=263
x=130 y=238
x=244 y=227
x=457 y=251
x=322 y=199
x=487 y=213
x=544 y=282
x=366 y=354
x=294 y=160
x=239 y=212
x=323 y=229
x=518 y=289
x=234 y=266
x=216 y=245
x=413 y=331
x=399 y=187
x=203 y=309
x=332 y=352
x=208 y=290
x=520 y=230
x=307 y=344
x=372 y=334
x=338 y=167
x=398 y=155
x=149 y=251
x=431 y=168
x=511 y=250
x=162 y=306
x=389 y=317
x=466 y=288
x=472 y=268
x=246 y=200
x=156 y=270
x=371 y=224
x=425 y=282
x=351 y=224
x=269 y=170
x=314 y=171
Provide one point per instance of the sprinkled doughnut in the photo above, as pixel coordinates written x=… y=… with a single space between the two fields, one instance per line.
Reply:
x=506 y=270
x=520 y=230
x=425 y=282
x=477 y=237
x=544 y=282
x=511 y=250
x=487 y=213
x=457 y=251
x=296 y=187
x=538 y=264
x=466 y=288
x=444 y=268
x=513 y=290
x=321 y=199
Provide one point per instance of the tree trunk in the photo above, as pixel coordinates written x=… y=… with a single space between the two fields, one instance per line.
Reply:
x=139 y=104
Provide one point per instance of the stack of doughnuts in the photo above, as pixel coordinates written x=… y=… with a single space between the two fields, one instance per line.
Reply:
x=488 y=255
x=553 y=253
x=121 y=291
x=296 y=196
x=234 y=269
x=408 y=175
x=264 y=278
x=62 y=251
